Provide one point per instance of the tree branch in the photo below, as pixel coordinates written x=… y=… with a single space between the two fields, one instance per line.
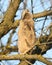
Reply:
x=11 y=11
x=23 y=57
x=8 y=20
x=42 y=47
x=8 y=49
x=42 y=14
x=6 y=25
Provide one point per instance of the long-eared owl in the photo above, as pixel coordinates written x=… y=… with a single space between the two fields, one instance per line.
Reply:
x=26 y=33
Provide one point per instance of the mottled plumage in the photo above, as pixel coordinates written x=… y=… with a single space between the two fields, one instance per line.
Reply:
x=26 y=33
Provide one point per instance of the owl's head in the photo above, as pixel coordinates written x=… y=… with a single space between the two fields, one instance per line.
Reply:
x=26 y=14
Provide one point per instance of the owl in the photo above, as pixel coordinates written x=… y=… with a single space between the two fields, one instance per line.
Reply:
x=26 y=33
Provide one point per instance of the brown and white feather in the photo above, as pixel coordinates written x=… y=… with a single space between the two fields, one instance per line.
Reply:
x=26 y=33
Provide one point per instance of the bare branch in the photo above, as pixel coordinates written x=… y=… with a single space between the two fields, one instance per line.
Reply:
x=9 y=49
x=6 y=26
x=7 y=22
x=23 y=57
x=42 y=14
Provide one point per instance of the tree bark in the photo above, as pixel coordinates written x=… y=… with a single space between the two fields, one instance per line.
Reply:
x=24 y=57
x=7 y=23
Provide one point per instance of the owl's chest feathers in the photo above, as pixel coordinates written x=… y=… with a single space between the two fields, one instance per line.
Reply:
x=26 y=28
x=26 y=35
x=26 y=31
